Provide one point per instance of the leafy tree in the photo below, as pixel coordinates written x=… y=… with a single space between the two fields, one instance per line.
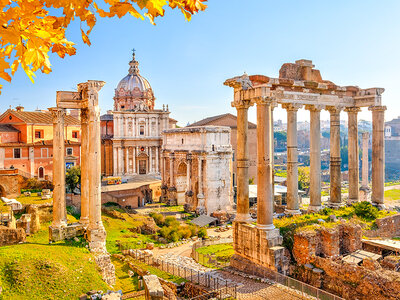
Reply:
x=73 y=178
x=304 y=178
x=31 y=29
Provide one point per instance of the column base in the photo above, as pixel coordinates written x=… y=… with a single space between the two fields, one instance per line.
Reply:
x=97 y=238
x=335 y=205
x=352 y=201
x=84 y=221
x=314 y=208
x=244 y=218
x=379 y=206
x=292 y=212
x=266 y=227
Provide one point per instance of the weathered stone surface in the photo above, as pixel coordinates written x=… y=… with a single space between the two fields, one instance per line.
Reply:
x=154 y=290
x=107 y=269
x=386 y=227
x=10 y=236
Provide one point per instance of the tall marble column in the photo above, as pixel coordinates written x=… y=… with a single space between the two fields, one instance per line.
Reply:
x=171 y=170
x=85 y=160
x=59 y=204
x=134 y=159
x=292 y=196
x=150 y=159
x=365 y=164
x=115 y=159
x=127 y=160
x=189 y=172
x=96 y=231
x=265 y=181
x=354 y=176
x=157 y=160
x=378 y=155
x=242 y=205
x=120 y=161
x=315 y=157
x=335 y=172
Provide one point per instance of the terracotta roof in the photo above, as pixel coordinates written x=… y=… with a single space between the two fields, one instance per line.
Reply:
x=208 y=120
x=7 y=128
x=38 y=117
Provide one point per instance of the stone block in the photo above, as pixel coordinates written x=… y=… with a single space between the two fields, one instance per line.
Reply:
x=153 y=288
x=59 y=233
x=11 y=236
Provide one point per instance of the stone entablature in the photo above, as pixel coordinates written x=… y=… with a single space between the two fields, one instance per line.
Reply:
x=197 y=168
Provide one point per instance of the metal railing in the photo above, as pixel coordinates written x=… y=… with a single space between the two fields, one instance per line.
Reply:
x=210 y=260
x=219 y=288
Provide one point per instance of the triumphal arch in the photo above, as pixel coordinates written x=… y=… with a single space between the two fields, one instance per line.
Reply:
x=87 y=101
x=299 y=86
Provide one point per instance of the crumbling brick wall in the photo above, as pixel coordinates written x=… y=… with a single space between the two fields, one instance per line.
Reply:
x=10 y=236
x=387 y=227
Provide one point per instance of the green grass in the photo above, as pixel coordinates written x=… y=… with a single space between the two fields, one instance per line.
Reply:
x=37 y=270
x=119 y=232
x=124 y=283
x=392 y=195
x=220 y=252
x=33 y=199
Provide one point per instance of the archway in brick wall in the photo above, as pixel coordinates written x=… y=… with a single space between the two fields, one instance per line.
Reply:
x=181 y=183
x=2 y=191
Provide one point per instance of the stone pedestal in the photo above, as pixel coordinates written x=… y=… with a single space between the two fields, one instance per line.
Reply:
x=164 y=194
x=172 y=200
x=201 y=205
x=256 y=247
x=189 y=205
x=57 y=233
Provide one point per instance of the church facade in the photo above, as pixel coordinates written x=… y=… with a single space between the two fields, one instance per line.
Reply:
x=131 y=133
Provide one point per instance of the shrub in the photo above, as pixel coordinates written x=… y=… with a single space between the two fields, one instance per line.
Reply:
x=202 y=233
x=33 y=184
x=364 y=210
x=158 y=218
x=171 y=221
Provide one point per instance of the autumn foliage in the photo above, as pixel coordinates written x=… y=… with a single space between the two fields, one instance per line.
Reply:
x=30 y=29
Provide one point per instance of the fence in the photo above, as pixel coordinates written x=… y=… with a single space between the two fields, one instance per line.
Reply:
x=207 y=259
x=219 y=287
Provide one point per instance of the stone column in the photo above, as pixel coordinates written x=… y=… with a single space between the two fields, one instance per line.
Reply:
x=242 y=205
x=292 y=197
x=120 y=161
x=59 y=205
x=378 y=155
x=127 y=160
x=315 y=157
x=157 y=160
x=85 y=161
x=365 y=165
x=134 y=159
x=150 y=159
x=189 y=172
x=335 y=173
x=115 y=159
x=96 y=231
x=265 y=181
x=172 y=186
x=354 y=176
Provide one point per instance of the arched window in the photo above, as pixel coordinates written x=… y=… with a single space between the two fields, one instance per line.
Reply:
x=41 y=172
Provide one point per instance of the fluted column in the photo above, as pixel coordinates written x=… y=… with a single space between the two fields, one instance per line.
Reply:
x=315 y=157
x=265 y=181
x=189 y=172
x=150 y=159
x=242 y=205
x=378 y=155
x=59 y=205
x=157 y=160
x=120 y=161
x=85 y=167
x=354 y=176
x=292 y=196
x=335 y=173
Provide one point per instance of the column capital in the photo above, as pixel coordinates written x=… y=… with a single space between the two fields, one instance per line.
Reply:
x=334 y=109
x=352 y=109
x=263 y=101
x=57 y=113
x=292 y=106
x=314 y=107
x=243 y=104
x=377 y=108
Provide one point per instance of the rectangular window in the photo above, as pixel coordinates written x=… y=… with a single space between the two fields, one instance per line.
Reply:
x=17 y=153
x=75 y=134
x=69 y=151
x=141 y=130
x=38 y=134
x=45 y=152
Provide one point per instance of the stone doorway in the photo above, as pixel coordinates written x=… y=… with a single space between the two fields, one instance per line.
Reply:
x=41 y=173
x=142 y=166
x=181 y=183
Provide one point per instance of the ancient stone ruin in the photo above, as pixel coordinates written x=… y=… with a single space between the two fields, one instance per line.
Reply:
x=299 y=85
x=90 y=223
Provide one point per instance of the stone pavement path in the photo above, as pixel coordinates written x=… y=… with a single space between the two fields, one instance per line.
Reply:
x=246 y=288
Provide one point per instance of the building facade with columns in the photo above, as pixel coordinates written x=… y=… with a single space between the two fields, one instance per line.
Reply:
x=197 y=168
x=131 y=133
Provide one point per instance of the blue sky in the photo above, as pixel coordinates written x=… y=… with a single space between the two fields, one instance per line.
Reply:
x=351 y=42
